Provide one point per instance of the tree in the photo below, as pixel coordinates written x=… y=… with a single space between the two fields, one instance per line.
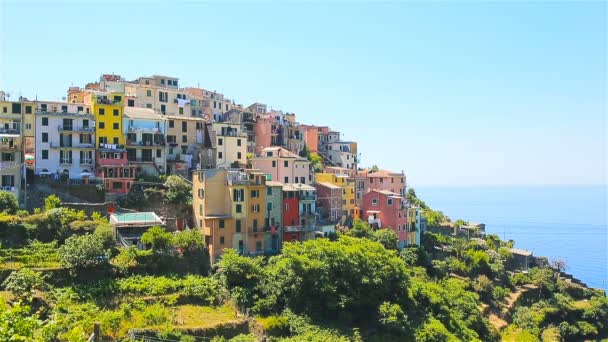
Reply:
x=347 y=278
x=52 y=202
x=387 y=237
x=24 y=282
x=84 y=251
x=434 y=331
x=433 y=218
x=189 y=240
x=360 y=229
x=179 y=191
x=160 y=239
x=392 y=318
x=8 y=202
x=240 y=275
x=316 y=162
x=374 y=168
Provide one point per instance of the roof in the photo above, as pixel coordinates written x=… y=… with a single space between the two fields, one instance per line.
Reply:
x=289 y=187
x=387 y=193
x=281 y=153
x=520 y=252
x=142 y=113
x=328 y=185
x=301 y=186
x=142 y=219
x=383 y=173
x=273 y=183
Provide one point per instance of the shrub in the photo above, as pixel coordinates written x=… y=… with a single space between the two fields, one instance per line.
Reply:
x=392 y=318
x=204 y=289
x=83 y=251
x=52 y=202
x=387 y=237
x=179 y=191
x=24 y=282
x=434 y=331
x=158 y=238
x=148 y=285
x=8 y=202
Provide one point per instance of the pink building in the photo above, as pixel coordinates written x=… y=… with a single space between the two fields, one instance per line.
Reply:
x=386 y=209
x=283 y=166
x=311 y=135
x=262 y=129
x=385 y=180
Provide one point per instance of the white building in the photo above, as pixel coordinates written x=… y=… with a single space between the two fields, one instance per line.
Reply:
x=65 y=140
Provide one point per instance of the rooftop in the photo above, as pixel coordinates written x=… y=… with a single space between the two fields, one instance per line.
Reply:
x=142 y=219
x=142 y=113
x=328 y=185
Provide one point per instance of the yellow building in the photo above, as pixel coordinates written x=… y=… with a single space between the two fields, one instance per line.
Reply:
x=257 y=212
x=348 y=191
x=229 y=207
x=413 y=226
x=108 y=111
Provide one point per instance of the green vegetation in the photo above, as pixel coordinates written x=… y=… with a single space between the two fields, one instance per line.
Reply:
x=62 y=273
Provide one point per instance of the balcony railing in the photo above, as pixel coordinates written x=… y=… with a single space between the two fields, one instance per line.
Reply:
x=10 y=130
x=76 y=129
x=86 y=161
x=77 y=145
x=106 y=101
x=145 y=143
x=64 y=161
x=141 y=160
x=144 y=129
x=8 y=188
x=6 y=164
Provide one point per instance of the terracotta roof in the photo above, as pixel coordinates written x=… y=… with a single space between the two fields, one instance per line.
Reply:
x=328 y=185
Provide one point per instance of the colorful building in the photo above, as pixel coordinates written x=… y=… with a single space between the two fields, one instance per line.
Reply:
x=108 y=111
x=273 y=220
x=292 y=229
x=231 y=144
x=146 y=148
x=385 y=180
x=256 y=215
x=349 y=207
x=65 y=140
x=283 y=166
x=329 y=199
x=308 y=214
x=12 y=144
x=385 y=209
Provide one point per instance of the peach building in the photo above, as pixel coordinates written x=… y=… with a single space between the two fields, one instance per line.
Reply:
x=283 y=166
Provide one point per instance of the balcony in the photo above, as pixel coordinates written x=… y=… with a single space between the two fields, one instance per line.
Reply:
x=107 y=101
x=231 y=134
x=86 y=161
x=133 y=129
x=10 y=116
x=7 y=164
x=140 y=160
x=308 y=198
x=67 y=128
x=90 y=146
x=65 y=161
x=145 y=143
x=15 y=130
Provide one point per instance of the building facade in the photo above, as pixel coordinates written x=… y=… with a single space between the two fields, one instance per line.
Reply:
x=283 y=166
x=385 y=209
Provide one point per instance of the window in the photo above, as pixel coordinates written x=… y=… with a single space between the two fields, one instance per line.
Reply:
x=381 y=180
x=162 y=81
x=303 y=180
x=163 y=109
x=222 y=224
x=102 y=111
x=171 y=124
x=255 y=208
x=374 y=202
x=274 y=163
x=258 y=246
x=131 y=103
x=148 y=93
x=389 y=202
x=255 y=193
x=115 y=112
x=45 y=121
x=149 y=105
x=200 y=209
x=238 y=195
x=8 y=180
x=181 y=110
x=238 y=142
x=238 y=155
x=184 y=126
x=115 y=140
x=28 y=109
x=102 y=125
x=16 y=108
x=269 y=206
x=286 y=179
x=115 y=125
x=45 y=137
x=45 y=154
x=255 y=225
x=219 y=155
x=184 y=138
x=238 y=225
x=116 y=185
x=85 y=123
x=286 y=163
x=171 y=139
x=392 y=180
x=158 y=153
x=221 y=240
x=220 y=141
x=269 y=191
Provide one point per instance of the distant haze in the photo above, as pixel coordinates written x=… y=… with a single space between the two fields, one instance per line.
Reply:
x=454 y=94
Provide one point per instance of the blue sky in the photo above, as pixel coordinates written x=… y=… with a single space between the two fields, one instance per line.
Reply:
x=482 y=93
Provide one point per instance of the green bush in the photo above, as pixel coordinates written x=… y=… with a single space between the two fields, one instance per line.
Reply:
x=148 y=285
x=84 y=251
x=24 y=282
x=8 y=203
x=206 y=290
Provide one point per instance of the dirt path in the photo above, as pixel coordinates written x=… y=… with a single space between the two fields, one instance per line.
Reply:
x=497 y=319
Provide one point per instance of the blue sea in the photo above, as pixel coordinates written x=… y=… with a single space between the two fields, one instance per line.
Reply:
x=566 y=222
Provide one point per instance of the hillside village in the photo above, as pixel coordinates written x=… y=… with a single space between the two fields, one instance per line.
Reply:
x=142 y=211
x=259 y=177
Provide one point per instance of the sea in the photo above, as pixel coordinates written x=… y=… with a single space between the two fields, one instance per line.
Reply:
x=559 y=222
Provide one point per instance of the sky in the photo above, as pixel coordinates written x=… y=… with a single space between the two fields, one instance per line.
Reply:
x=453 y=93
